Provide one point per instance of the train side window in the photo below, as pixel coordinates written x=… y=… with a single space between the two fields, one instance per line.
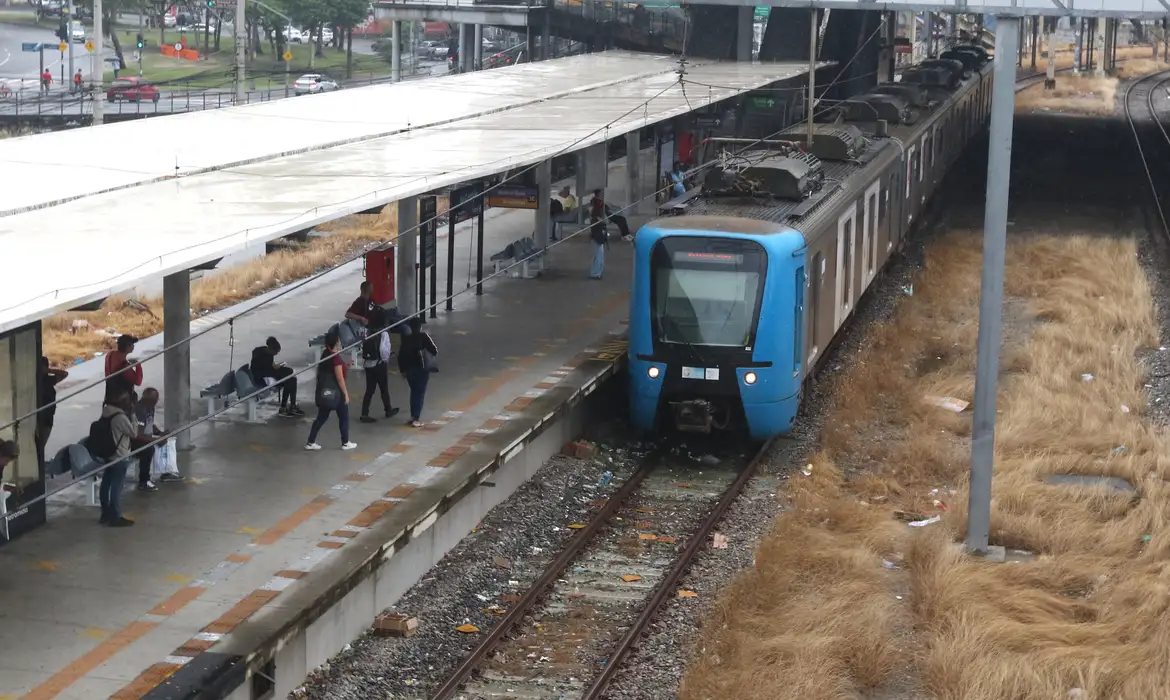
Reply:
x=871 y=226
x=814 y=292
x=909 y=169
x=798 y=325
x=927 y=156
x=847 y=265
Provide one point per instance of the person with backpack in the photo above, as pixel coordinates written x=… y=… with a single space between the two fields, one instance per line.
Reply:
x=109 y=443
x=376 y=358
x=600 y=238
x=332 y=393
x=416 y=362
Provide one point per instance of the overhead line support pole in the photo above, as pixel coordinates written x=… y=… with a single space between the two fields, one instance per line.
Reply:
x=999 y=161
x=99 y=65
x=241 y=46
x=812 y=69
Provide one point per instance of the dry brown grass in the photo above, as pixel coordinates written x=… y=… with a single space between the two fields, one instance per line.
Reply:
x=1137 y=67
x=1074 y=94
x=1065 y=55
x=215 y=291
x=818 y=617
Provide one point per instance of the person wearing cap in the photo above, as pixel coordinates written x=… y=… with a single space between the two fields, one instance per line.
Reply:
x=122 y=372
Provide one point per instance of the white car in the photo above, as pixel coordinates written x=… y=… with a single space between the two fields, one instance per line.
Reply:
x=77 y=33
x=313 y=83
x=295 y=36
x=326 y=35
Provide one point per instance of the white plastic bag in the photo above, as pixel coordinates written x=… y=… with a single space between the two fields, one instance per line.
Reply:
x=166 y=459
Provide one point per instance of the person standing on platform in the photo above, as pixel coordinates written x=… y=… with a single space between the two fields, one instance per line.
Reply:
x=264 y=366
x=332 y=393
x=376 y=358
x=122 y=373
x=109 y=443
x=598 y=208
x=416 y=367
x=362 y=307
x=9 y=451
x=47 y=381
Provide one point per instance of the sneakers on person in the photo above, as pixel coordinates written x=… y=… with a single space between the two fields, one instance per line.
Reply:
x=295 y=411
x=121 y=522
x=349 y=446
x=169 y=477
x=367 y=419
x=284 y=412
x=147 y=486
x=312 y=446
x=391 y=413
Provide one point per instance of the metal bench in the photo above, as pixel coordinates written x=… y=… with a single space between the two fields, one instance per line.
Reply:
x=240 y=383
x=221 y=390
x=678 y=205
x=523 y=250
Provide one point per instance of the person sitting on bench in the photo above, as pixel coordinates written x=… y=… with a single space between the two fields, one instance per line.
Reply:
x=264 y=366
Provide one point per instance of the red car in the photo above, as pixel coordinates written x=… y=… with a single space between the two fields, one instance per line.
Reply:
x=135 y=89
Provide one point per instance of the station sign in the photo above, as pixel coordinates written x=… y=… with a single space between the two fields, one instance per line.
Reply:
x=465 y=203
x=514 y=197
x=31 y=46
x=428 y=209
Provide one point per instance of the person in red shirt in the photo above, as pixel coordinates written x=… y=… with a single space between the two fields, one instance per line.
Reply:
x=363 y=307
x=77 y=81
x=122 y=372
x=46 y=80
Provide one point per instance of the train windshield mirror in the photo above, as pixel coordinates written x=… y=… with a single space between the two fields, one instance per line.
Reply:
x=706 y=297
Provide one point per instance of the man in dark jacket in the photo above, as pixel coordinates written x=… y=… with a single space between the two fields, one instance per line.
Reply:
x=264 y=365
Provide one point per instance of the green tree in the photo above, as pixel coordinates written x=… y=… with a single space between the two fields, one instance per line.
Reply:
x=347 y=15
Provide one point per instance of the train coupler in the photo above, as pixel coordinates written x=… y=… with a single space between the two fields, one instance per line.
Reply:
x=695 y=416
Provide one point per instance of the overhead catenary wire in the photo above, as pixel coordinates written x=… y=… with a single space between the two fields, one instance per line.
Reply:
x=314 y=365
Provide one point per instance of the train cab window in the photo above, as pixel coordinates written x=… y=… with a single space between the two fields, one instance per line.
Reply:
x=883 y=202
x=871 y=227
x=798 y=323
x=706 y=291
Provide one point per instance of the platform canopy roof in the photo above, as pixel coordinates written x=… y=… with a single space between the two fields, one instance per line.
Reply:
x=1123 y=9
x=125 y=216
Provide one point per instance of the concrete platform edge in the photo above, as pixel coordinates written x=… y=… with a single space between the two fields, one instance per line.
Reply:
x=337 y=603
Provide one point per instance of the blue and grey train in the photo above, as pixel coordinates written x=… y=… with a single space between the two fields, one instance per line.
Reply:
x=740 y=289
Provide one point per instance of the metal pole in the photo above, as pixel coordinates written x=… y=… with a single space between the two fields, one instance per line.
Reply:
x=241 y=45
x=1035 y=39
x=99 y=65
x=286 y=75
x=477 y=50
x=435 y=288
x=450 y=256
x=69 y=41
x=812 y=69
x=995 y=213
x=479 y=240
x=396 y=51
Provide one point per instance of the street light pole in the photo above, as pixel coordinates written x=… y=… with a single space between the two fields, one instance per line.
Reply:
x=69 y=39
x=98 y=63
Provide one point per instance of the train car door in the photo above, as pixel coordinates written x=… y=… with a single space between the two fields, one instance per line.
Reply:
x=911 y=158
x=843 y=299
x=869 y=218
x=815 y=298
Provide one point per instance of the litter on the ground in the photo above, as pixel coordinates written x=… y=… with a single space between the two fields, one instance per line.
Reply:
x=924 y=523
x=908 y=290
x=709 y=460
x=630 y=578
x=467 y=629
x=1118 y=450
x=807 y=471
x=667 y=539
x=684 y=593
x=719 y=540
x=889 y=564
x=1124 y=408
x=948 y=403
x=1086 y=377
x=502 y=563
x=647 y=536
x=576 y=526
x=605 y=479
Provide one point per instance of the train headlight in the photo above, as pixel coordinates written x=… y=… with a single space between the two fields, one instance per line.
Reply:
x=749 y=378
x=653 y=372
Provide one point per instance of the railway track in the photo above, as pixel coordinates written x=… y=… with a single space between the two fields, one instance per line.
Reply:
x=1150 y=136
x=569 y=632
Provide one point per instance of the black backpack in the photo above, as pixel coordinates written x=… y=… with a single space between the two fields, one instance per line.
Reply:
x=101 y=443
x=372 y=348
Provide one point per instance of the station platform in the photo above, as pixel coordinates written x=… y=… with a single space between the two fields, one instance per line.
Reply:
x=261 y=529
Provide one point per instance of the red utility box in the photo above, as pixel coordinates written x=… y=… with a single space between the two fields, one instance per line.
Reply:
x=380 y=273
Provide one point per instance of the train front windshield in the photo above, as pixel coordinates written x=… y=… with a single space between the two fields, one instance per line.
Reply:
x=706 y=291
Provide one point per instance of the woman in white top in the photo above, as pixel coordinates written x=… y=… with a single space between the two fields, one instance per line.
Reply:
x=376 y=355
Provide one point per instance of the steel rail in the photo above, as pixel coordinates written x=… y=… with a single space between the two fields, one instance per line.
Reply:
x=553 y=572
x=1157 y=80
x=668 y=582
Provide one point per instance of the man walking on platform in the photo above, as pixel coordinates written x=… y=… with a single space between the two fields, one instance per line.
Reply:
x=376 y=358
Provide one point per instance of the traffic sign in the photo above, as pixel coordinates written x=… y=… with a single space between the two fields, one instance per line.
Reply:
x=62 y=46
x=287 y=56
x=178 y=47
x=89 y=46
x=31 y=46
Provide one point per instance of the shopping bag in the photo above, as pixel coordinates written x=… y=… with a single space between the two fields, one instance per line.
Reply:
x=166 y=458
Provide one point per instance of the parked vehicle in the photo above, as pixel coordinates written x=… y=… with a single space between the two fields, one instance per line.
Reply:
x=77 y=33
x=132 y=88
x=313 y=83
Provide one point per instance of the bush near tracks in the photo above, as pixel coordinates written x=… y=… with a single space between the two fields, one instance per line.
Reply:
x=821 y=615
x=219 y=289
